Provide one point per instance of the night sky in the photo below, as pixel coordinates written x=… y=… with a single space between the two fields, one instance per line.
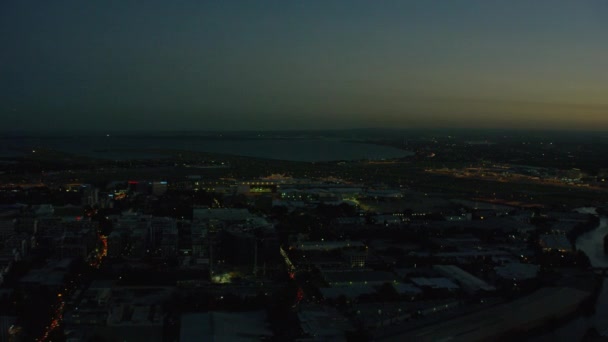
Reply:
x=307 y=64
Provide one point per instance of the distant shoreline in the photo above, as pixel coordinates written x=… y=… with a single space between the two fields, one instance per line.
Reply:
x=298 y=149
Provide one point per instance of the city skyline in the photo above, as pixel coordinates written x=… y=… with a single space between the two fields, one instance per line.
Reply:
x=303 y=65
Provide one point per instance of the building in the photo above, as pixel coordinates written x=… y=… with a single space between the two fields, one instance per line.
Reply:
x=324 y=324
x=220 y=214
x=224 y=327
x=350 y=278
x=111 y=313
x=159 y=188
x=468 y=281
x=499 y=322
x=555 y=242
x=515 y=271
x=435 y=283
x=90 y=195
x=78 y=244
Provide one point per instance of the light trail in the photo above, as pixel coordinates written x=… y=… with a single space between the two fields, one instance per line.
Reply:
x=55 y=321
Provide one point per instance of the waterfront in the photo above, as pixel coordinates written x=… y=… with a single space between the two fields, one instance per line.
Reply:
x=592 y=244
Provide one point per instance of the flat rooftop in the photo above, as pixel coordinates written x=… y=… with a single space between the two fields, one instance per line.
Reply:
x=224 y=326
x=493 y=323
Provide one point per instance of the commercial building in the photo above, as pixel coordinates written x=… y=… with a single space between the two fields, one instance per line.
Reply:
x=349 y=278
x=224 y=326
x=555 y=242
x=468 y=281
x=501 y=321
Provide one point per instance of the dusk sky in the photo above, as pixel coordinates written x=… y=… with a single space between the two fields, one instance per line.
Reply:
x=204 y=65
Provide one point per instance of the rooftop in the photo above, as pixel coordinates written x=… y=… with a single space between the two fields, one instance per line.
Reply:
x=496 y=322
x=223 y=214
x=516 y=270
x=435 y=283
x=224 y=326
x=464 y=278
x=358 y=276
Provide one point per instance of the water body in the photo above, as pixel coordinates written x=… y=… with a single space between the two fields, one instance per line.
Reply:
x=592 y=243
x=103 y=147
